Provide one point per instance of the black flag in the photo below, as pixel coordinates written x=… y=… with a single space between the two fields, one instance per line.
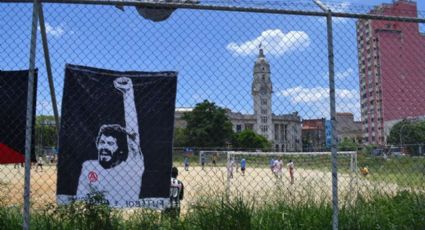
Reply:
x=116 y=136
x=13 y=104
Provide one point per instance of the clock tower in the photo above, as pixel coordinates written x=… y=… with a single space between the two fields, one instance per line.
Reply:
x=262 y=95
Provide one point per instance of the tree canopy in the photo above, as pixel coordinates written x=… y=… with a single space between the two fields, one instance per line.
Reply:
x=45 y=131
x=208 y=126
x=180 y=137
x=250 y=140
x=347 y=145
x=409 y=134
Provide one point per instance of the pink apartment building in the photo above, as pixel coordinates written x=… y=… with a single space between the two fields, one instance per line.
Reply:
x=391 y=57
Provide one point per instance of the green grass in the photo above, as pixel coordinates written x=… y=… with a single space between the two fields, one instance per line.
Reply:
x=403 y=211
x=403 y=171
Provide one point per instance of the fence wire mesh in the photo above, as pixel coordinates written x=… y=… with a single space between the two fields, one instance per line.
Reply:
x=252 y=87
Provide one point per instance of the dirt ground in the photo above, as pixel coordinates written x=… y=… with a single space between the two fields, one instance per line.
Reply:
x=257 y=183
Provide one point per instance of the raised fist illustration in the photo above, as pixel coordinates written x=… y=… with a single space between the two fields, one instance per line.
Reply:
x=123 y=84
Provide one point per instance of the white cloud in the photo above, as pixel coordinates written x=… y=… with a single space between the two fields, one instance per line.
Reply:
x=44 y=107
x=315 y=100
x=343 y=7
x=274 y=42
x=300 y=94
x=342 y=75
x=340 y=7
x=308 y=95
x=55 y=31
x=347 y=74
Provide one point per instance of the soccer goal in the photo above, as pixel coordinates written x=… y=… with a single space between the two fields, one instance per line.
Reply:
x=305 y=159
x=213 y=158
x=265 y=169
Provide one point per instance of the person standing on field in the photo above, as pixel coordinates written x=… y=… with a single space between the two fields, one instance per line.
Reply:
x=291 y=168
x=203 y=162
x=243 y=166
x=230 y=164
x=277 y=168
x=214 y=160
x=186 y=163
x=176 y=194
x=40 y=163
x=271 y=164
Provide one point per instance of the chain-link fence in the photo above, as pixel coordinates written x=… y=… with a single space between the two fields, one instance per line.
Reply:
x=259 y=84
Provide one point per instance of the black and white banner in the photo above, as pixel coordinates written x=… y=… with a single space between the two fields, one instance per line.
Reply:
x=116 y=137
x=13 y=113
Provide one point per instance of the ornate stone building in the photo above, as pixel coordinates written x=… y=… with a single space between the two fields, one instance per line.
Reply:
x=284 y=131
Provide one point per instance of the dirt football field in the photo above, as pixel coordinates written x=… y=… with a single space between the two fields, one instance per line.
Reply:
x=211 y=182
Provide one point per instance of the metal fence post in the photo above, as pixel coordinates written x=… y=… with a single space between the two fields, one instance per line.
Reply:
x=29 y=116
x=333 y=121
x=331 y=66
x=48 y=67
x=229 y=166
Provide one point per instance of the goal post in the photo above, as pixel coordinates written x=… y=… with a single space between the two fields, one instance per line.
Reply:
x=351 y=154
x=305 y=162
x=221 y=157
x=213 y=158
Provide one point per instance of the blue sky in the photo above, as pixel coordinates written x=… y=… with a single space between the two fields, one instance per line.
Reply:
x=213 y=52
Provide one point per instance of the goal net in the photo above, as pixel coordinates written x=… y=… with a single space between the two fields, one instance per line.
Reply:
x=347 y=160
x=260 y=173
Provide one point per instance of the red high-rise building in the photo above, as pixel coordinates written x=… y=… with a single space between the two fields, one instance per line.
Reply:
x=391 y=70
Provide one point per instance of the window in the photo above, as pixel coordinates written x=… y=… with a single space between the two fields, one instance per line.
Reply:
x=264 y=101
x=264 y=128
x=264 y=119
x=263 y=111
x=238 y=128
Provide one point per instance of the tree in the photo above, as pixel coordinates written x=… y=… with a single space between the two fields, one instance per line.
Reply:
x=45 y=132
x=208 y=126
x=368 y=149
x=247 y=139
x=407 y=133
x=347 y=145
x=180 y=137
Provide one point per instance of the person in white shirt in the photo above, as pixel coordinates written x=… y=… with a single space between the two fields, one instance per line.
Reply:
x=230 y=165
x=277 y=168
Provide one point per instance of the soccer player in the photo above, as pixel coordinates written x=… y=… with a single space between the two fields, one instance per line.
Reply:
x=230 y=165
x=271 y=164
x=186 y=163
x=364 y=171
x=277 y=168
x=203 y=161
x=117 y=173
x=214 y=160
x=291 y=168
x=243 y=166
x=39 y=164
